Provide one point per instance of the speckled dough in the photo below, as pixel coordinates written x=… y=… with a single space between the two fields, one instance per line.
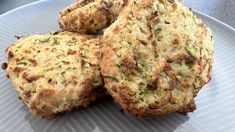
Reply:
x=158 y=56
x=89 y=16
x=55 y=73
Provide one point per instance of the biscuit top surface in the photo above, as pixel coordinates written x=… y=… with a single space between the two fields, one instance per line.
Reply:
x=54 y=69
x=161 y=56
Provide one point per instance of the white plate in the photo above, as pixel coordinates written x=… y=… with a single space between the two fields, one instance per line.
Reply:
x=215 y=103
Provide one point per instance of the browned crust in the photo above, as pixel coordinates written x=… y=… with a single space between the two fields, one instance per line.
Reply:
x=93 y=17
x=130 y=105
x=43 y=100
x=190 y=107
x=89 y=96
x=179 y=90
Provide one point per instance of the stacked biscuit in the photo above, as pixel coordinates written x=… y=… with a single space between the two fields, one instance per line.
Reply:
x=152 y=57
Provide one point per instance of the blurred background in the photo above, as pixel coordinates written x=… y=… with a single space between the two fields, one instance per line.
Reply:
x=224 y=10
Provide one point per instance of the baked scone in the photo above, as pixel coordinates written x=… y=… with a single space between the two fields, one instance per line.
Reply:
x=89 y=16
x=158 y=56
x=55 y=73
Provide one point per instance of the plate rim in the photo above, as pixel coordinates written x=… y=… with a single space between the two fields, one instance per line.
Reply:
x=21 y=7
x=220 y=23
x=42 y=1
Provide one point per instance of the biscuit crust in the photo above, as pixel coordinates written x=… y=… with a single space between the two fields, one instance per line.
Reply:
x=55 y=73
x=89 y=16
x=157 y=58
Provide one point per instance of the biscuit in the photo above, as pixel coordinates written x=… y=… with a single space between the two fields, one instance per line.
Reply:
x=89 y=16
x=55 y=73
x=157 y=57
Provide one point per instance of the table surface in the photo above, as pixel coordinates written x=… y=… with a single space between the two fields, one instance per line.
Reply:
x=223 y=10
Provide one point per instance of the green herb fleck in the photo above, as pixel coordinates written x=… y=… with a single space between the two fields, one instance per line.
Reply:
x=141 y=91
x=22 y=63
x=132 y=94
x=17 y=75
x=119 y=65
x=173 y=102
x=157 y=31
x=49 y=69
x=55 y=41
x=43 y=107
x=77 y=42
x=63 y=81
x=190 y=52
x=85 y=51
x=156 y=55
x=166 y=22
x=128 y=39
x=68 y=68
x=183 y=74
x=195 y=48
x=111 y=77
x=72 y=41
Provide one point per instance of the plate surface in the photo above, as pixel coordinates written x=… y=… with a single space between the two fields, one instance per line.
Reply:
x=215 y=102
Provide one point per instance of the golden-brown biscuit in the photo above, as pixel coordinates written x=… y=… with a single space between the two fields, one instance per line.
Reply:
x=55 y=73
x=89 y=16
x=158 y=56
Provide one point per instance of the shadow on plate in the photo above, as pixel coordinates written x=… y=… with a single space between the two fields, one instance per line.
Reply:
x=104 y=116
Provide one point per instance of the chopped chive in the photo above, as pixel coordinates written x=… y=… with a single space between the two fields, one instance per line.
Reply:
x=22 y=63
x=195 y=48
x=86 y=51
x=111 y=77
x=17 y=75
x=182 y=74
x=157 y=31
x=166 y=22
x=190 y=53
x=68 y=68
x=141 y=91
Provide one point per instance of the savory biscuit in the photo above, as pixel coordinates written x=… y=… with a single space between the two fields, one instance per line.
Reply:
x=55 y=73
x=89 y=16
x=158 y=56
